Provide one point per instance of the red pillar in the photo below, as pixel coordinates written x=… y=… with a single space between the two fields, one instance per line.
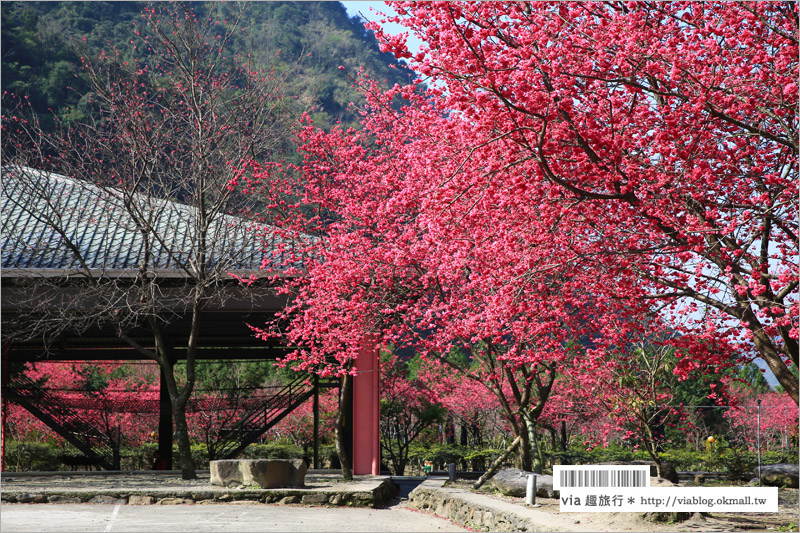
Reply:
x=366 y=410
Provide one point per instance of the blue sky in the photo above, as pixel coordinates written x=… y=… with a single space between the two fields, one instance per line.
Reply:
x=353 y=9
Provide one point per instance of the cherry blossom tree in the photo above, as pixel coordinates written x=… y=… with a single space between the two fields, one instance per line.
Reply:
x=777 y=417
x=398 y=256
x=638 y=395
x=408 y=407
x=467 y=400
x=576 y=412
x=102 y=395
x=666 y=131
x=591 y=173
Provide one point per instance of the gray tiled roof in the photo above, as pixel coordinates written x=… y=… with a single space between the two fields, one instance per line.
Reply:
x=42 y=213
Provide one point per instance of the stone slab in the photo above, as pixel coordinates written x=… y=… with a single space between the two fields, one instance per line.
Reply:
x=263 y=473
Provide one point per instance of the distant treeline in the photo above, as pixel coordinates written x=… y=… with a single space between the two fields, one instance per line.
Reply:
x=42 y=43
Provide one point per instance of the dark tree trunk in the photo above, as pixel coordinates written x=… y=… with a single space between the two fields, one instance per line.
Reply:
x=450 y=431
x=341 y=448
x=524 y=457
x=179 y=398
x=496 y=464
x=184 y=446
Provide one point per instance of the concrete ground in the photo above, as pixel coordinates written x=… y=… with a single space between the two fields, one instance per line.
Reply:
x=203 y=507
x=249 y=517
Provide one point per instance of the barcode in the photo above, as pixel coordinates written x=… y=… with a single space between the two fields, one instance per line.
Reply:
x=570 y=477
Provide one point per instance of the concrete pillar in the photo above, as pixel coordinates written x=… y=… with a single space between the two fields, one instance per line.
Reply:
x=366 y=410
x=316 y=421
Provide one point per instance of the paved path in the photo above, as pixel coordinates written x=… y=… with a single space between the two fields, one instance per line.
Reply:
x=249 y=517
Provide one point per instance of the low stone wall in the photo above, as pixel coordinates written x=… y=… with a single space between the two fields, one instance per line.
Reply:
x=375 y=497
x=429 y=497
x=484 y=513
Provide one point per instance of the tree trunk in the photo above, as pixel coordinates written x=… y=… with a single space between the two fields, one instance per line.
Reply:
x=524 y=458
x=449 y=431
x=496 y=464
x=179 y=399
x=184 y=446
x=650 y=446
x=533 y=450
x=116 y=443
x=401 y=464
x=341 y=450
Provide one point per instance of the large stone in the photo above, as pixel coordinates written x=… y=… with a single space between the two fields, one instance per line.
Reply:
x=31 y=498
x=174 y=501
x=57 y=498
x=102 y=498
x=266 y=473
x=316 y=498
x=779 y=475
x=514 y=482
x=140 y=499
x=339 y=499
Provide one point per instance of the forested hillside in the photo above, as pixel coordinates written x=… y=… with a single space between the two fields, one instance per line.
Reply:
x=308 y=41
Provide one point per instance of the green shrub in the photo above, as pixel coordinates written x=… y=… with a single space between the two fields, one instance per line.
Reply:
x=479 y=459
x=438 y=454
x=200 y=456
x=613 y=452
x=33 y=456
x=569 y=457
x=463 y=456
x=739 y=464
x=141 y=457
x=49 y=456
x=769 y=457
x=685 y=459
x=328 y=456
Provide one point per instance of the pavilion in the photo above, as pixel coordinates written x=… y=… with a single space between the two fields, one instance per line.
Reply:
x=56 y=228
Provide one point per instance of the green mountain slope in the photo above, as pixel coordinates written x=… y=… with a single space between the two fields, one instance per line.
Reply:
x=308 y=40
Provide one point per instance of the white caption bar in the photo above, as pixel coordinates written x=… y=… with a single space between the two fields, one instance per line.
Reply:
x=668 y=499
